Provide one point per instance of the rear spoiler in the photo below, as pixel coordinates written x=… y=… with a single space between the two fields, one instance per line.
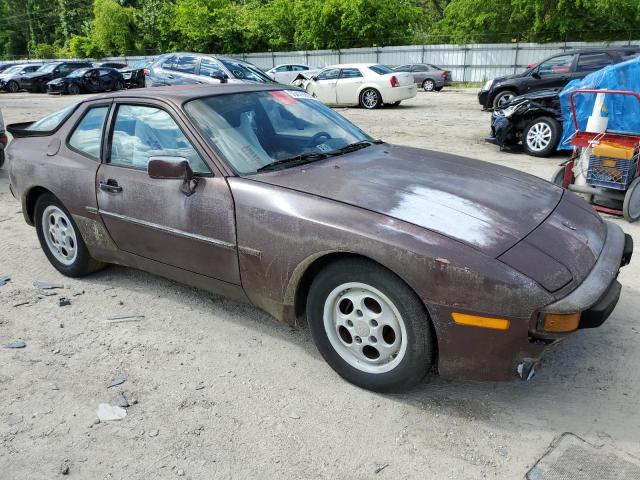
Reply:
x=19 y=130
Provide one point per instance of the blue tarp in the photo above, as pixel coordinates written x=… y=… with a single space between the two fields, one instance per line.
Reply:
x=623 y=110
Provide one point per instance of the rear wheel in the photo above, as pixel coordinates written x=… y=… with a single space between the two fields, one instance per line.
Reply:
x=12 y=86
x=370 y=326
x=370 y=98
x=43 y=87
x=119 y=85
x=60 y=238
x=428 y=85
x=631 y=204
x=540 y=136
x=502 y=98
x=73 y=89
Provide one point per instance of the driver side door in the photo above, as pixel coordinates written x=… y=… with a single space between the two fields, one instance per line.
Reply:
x=324 y=87
x=553 y=73
x=153 y=218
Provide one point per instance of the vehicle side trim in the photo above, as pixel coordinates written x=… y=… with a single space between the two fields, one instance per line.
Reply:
x=173 y=231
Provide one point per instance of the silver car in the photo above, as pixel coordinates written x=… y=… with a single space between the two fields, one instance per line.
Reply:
x=190 y=68
x=288 y=72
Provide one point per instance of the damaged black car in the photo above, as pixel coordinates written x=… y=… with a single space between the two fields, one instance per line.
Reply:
x=533 y=120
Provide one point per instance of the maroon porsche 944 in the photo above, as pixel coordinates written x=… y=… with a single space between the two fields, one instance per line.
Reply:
x=402 y=261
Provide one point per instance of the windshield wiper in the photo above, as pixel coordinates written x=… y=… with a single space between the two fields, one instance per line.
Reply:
x=293 y=161
x=352 y=147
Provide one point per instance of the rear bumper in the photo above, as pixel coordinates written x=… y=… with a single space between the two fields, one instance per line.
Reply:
x=397 y=94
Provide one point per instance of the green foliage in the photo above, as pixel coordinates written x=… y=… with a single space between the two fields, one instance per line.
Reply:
x=94 y=28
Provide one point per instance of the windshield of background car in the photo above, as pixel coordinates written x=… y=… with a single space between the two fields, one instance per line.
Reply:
x=12 y=70
x=49 y=67
x=380 y=69
x=245 y=71
x=79 y=72
x=53 y=121
x=253 y=129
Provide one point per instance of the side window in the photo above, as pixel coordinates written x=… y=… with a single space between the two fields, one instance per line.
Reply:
x=403 y=68
x=141 y=132
x=104 y=71
x=283 y=68
x=87 y=136
x=556 y=66
x=209 y=67
x=590 y=62
x=420 y=68
x=330 y=74
x=186 y=64
x=350 y=73
x=299 y=68
x=169 y=63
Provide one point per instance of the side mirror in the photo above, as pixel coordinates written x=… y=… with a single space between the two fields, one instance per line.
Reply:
x=173 y=168
x=219 y=76
x=535 y=74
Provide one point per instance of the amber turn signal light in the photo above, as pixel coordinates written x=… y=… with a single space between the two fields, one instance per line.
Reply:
x=561 y=323
x=477 y=321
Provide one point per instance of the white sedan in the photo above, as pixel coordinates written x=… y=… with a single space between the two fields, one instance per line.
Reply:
x=366 y=84
x=287 y=72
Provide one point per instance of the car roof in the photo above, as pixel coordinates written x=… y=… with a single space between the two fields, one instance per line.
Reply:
x=622 y=48
x=352 y=65
x=193 y=54
x=178 y=94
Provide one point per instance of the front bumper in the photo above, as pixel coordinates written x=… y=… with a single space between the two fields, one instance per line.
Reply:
x=483 y=98
x=56 y=89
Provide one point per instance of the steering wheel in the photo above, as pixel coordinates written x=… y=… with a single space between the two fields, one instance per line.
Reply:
x=315 y=140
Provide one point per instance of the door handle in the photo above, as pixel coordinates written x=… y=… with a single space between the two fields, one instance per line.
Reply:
x=170 y=76
x=110 y=186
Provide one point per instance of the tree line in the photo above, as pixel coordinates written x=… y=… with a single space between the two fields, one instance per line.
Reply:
x=97 y=28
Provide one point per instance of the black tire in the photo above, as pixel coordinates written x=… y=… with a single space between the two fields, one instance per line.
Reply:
x=502 y=97
x=13 y=87
x=370 y=98
x=418 y=355
x=551 y=127
x=73 y=89
x=83 y=263
x=429 y=85
x=631 y=204
x=1 y=157
x=118 y=86
x=558 y=176
x=43 y=87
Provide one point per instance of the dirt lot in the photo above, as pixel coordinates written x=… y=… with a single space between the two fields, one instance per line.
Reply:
x=224 y=391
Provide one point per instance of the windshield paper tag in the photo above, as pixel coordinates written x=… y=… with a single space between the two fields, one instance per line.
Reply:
x=283 y=97
x=299 y=94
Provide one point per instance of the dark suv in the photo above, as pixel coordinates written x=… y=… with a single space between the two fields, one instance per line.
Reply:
x=189 y=68
x=552 y=73
x=37 y=81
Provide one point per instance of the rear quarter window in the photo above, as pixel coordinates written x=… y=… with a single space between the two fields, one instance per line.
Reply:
x=51 y=122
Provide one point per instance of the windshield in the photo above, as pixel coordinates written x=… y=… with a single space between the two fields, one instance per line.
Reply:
x=254 y=129
x=140 y=64
x=48 y=67
x=51 y=122
x=246 y=71
x=79 y=72
x=10 y=70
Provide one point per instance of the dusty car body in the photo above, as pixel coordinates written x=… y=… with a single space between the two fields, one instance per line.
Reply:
x=9 y=77
x=493 y=262
x=533 y=121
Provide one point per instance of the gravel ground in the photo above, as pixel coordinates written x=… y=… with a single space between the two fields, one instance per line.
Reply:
x=223 y=391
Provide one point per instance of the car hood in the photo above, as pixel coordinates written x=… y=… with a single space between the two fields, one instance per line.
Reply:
x=56 y=81
x=486 y=206
x=547 y=93
x=504 y=78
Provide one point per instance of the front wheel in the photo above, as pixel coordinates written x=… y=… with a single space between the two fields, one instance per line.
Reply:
x=631 y=204
x=60 y=238
x=428 y=85
x=540 y=136
x=370 y=98
x=119 y=85
x=73 y=89
x=370 y=326
x=502 y=98
x=13 y=87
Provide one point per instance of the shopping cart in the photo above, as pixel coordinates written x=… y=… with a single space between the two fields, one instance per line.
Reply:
x=606 y=165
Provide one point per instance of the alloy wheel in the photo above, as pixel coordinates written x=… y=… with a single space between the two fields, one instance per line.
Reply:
x=365 y=328
x=539 y=136
x=59 y=234
x=370 y=98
